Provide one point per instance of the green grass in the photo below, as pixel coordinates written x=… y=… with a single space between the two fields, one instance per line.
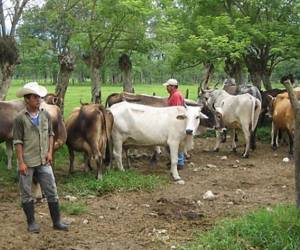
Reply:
x=82 y=184
x=273 y=230
x=7 y=177
x=73 y=208
x=75 y=93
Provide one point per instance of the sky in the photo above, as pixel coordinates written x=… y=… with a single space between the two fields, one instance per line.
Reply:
x=8 y=9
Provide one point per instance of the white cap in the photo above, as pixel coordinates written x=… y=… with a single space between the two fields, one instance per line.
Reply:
x=172 y=82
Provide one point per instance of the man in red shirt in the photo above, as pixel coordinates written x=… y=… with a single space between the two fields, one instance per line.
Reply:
x=175 y=99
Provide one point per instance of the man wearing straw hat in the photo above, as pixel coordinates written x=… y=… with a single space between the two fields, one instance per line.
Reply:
x=33 y=139
x=175 y=99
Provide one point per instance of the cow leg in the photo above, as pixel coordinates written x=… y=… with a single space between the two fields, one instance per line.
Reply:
x=155 y=156
x=218 y=141
x=99 y=167
x=274 y=137
x=128 y=165
x=118 y=153
x=224 y=135
x=71 y=159
x=253 y=139
x=291 y=144
x=174 y=160
x=247 y=140
x=233 y=141
x=9 y=152
x=36 y=190
x=87 y=163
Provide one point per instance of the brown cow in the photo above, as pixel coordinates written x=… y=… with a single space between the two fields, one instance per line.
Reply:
x=89 y=131
x=8 y=112
x=283 y=118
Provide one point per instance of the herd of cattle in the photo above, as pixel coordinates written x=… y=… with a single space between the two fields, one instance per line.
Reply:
x=131 y=120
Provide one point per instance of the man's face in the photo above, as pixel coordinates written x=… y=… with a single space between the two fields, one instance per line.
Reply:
x=33 y=101
x=169 y=88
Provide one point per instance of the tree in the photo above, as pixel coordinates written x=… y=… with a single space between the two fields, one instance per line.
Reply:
x=53 y=25
x=9 y=54
x=102 y=27
x=272 y=28
x=296 y=106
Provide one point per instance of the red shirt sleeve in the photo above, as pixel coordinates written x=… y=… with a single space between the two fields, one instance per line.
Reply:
x=176 y=99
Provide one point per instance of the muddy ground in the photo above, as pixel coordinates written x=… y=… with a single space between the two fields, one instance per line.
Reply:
x=167 y=217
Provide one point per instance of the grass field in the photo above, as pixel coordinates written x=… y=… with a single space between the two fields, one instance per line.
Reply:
x=76 y=93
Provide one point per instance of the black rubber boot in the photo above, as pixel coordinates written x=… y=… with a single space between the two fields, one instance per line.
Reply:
x=29 y=212
x=55 y=216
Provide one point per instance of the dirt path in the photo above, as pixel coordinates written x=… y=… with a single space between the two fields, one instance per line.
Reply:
x=166 y=217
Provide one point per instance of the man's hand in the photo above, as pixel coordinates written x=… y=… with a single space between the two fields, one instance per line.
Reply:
x=23 y=169
x=49 y=158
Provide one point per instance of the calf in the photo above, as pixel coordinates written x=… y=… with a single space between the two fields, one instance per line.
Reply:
x=89 y=131
x=141 y=125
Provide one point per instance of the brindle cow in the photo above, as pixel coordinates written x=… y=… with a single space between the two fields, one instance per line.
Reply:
x=89 y=130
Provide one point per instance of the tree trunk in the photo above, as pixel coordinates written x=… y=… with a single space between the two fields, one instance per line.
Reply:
x=66 y=66
x=126 y=67
x=208 y=73
x=95 y=60
x=9 y=57
x=234 y=70
x=95 y=88
x=266 y=80
x=296 y=108
x=255 y=77
x=6 y=76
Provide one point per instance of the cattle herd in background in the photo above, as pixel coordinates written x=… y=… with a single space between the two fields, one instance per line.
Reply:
x=132 y=120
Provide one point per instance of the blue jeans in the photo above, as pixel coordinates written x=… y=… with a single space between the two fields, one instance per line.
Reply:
x=181 y=159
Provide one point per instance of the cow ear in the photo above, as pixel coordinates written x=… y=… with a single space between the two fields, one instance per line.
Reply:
x=181 y=117
x=55 y=100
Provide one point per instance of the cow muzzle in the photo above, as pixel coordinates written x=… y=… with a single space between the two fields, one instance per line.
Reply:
x=189 y=131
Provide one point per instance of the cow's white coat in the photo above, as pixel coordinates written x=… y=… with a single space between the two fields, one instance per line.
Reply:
x=140 y=125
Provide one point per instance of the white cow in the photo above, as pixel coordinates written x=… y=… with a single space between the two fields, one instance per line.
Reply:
x=241 y=111
x=141 y=125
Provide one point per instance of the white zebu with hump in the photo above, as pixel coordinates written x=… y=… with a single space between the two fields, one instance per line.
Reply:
x=241 y=111
x=140 y=125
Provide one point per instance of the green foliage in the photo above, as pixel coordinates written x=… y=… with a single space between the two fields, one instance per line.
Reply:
x=73 y=208
x=85 y=183
x=277 y=228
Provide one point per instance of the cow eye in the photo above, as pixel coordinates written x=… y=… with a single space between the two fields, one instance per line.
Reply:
x=198 y=116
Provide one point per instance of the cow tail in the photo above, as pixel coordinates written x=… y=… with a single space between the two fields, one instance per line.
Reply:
x=256 y=107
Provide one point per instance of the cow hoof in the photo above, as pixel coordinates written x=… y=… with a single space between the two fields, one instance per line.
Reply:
x=234 y=150
x=216 y=150
x=179 y=181
x=245 y=156
x=274 y=147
